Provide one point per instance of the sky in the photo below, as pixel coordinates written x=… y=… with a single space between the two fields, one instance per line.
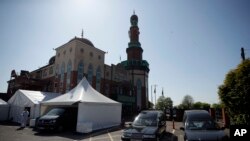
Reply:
x=190 y=44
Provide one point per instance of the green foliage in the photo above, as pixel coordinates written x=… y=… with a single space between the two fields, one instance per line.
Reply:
x=217 y=105
x=163 y=103
x=187 y=102
x=234 y=93
x=201 y=105
x=150 y=105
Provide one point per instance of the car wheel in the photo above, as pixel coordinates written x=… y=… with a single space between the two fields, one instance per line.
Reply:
x=60 y=128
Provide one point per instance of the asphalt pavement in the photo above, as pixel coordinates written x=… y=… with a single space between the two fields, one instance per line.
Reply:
x=12 y=132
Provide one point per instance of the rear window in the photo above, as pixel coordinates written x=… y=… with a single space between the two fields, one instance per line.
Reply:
x=200 y=121
x=56 y=112
x=146 y=119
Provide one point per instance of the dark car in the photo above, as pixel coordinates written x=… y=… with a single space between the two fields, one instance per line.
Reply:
x=58 y=119
x=199 y=125
x=149 y=125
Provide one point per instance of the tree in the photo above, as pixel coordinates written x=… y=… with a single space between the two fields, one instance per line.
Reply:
x=150 y=105
x=201 y=105
x=234 y=93
x=187 y=102
x=217 y=105
x=163 y=103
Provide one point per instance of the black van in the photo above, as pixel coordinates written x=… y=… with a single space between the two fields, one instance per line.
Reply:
x=148 y=125
x=58 y=119
x=199 y=125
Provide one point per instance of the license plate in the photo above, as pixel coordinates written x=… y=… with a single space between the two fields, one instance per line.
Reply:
x=135 y=140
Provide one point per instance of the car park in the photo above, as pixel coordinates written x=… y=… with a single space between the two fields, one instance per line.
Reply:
x=199 y=125
x=58 y=119
x=149 y=125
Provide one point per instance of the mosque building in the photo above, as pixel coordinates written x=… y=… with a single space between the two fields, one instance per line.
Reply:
x=126 y=82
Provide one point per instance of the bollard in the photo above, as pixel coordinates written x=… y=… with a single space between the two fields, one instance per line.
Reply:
x=173 y=124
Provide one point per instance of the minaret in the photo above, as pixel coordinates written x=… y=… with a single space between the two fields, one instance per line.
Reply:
x=137 y=67
x=134 y=50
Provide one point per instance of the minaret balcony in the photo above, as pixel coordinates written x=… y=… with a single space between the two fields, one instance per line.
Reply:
x=136 y=64
x=134 y=44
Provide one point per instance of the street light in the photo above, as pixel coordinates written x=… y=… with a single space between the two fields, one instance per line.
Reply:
x=155 y=93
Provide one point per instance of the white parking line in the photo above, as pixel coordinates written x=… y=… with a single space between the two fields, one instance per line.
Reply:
x=173 y=131
x=110 y=137
x=180 y=138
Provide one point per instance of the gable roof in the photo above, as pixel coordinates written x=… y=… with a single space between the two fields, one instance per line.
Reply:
x=83 y=92
x=29 y=98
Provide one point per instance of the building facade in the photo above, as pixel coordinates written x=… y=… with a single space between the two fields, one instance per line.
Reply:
x=126 y=82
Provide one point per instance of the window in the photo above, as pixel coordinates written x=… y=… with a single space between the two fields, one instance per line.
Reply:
x=69 y=67
x=62 y=75
x=80 y=71
x=90 y=73
x=138 y=90
x=57 y=70
x=44 y=73
x=51 y=70
x=99 y=57
x=98 y=79
x=106 y=88
x=82 y=50
x=91 y=54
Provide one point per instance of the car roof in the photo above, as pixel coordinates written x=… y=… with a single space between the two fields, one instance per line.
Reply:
x=197 y=114
x=151 y=111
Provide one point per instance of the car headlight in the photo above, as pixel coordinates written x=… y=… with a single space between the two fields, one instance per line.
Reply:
x=53 y=121
x=127 y=134
x=148 y=136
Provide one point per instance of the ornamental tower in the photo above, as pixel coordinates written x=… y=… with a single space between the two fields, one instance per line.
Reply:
x=137 y=67
x=134 y=50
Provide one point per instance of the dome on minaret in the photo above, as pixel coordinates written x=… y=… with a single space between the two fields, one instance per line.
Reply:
x=134 y=20
x=134 y=17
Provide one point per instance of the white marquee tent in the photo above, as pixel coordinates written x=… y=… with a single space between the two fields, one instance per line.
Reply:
x=4 y=110
x=31 y=99
x=95 y=111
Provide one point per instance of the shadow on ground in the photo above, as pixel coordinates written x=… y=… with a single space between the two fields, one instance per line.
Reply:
x=169 y=137
x=76 y=136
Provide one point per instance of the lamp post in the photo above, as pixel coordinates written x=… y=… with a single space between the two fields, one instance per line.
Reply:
x=155 y=93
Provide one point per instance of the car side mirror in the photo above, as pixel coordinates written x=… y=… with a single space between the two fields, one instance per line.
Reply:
x=161 y=123
x=182 y=128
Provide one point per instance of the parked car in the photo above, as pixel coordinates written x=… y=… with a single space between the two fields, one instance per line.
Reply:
x=199 y=125
x=58 y=119
x=148 y=125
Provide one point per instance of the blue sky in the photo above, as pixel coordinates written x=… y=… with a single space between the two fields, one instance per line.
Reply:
x=189 y=44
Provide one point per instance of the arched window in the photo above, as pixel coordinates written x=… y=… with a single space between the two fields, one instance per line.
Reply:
x=62 y=76
x=98 y=79
x=69 y=68
x=57 y=71
x=138 y=90
x=90 y=74
x=80 y=71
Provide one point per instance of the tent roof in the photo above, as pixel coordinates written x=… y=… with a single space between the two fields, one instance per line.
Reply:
x=83 y=92
x=2 y=102
x=27 y=97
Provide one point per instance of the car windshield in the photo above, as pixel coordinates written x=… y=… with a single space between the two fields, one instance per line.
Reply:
x=146 y=119
x=201 y=124
x=55 y=112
